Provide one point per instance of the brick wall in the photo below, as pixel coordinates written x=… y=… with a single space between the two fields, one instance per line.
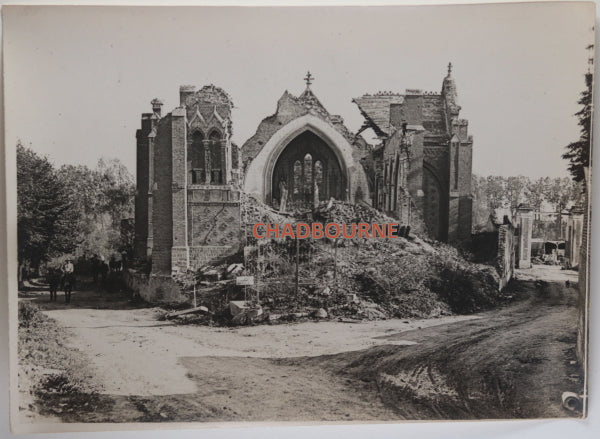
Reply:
x=154 y=288
x=142 y=187
x=179 y=252
x=453 y=212
x=162 y=218
x=202 y=255
x=415 y=170
x=214 y=223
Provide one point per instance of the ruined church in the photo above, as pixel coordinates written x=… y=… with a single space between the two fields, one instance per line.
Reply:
x=191 y=177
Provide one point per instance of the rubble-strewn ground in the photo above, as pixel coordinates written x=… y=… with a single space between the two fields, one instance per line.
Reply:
x=513 y=362
x=367 y=278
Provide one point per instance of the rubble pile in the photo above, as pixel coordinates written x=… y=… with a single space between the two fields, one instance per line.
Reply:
x=366 y=278
x=347 y=213
x=255 y=211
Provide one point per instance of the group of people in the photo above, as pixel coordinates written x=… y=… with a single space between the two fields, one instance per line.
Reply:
x=63 y=277
x=101 y=269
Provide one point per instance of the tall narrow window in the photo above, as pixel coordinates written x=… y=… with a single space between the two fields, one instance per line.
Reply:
x=319 y=172
x=297 y=176
x=308 y=173
x=196 y=153
x=216 y=172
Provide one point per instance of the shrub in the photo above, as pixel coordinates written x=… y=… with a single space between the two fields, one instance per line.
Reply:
x=30 y=315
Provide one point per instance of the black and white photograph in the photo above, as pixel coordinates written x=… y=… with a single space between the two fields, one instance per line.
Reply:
x=325 y=214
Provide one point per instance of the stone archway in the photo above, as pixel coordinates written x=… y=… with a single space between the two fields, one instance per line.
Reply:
x=259 y=179
x=307 y=171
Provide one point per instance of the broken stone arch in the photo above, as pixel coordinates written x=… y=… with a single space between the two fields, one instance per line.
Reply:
x=259 y=174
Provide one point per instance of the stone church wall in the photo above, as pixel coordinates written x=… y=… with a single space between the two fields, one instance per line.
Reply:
x=162 y=204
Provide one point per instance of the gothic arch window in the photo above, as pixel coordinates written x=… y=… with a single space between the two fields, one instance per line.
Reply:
x=319 y=172
x=297 y=177
x=197 y=158
x=214 y=135
x=216 y=167
x=308 y=173
x=311 y=170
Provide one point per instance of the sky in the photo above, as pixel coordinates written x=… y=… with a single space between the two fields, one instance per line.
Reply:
x=78 y=78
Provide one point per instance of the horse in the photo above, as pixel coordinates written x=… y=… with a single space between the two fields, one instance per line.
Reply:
x=68 y=284
x=53 y=278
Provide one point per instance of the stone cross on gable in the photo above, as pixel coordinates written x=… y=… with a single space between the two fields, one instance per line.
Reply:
x=308 y=78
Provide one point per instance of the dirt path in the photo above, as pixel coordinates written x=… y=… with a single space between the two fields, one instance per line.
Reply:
x=511 y=362
x=135 y=354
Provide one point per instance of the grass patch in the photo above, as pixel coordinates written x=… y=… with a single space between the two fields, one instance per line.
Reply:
x=60 y=377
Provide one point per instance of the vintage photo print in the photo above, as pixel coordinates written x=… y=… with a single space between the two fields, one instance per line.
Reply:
x=226 y=215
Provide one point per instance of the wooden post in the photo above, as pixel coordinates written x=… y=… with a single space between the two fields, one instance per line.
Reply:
x=195 y=304
x=335 y=247
x=297 y=266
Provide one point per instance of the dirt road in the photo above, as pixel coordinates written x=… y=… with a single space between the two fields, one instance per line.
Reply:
x=513 y=362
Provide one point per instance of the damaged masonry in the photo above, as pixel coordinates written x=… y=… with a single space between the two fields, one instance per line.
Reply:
x=394 y=238
x=329 y=230
x=211 y=204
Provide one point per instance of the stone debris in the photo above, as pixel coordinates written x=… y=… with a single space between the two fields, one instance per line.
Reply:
x=376 y=278
x=321 y=313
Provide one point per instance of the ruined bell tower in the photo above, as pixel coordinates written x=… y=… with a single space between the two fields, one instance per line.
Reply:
x=187 y=203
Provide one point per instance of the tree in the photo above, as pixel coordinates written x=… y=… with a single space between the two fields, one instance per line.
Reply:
x=578 y=153
x=535 y=193
x=45 y=216
x=515 y=187
x=560 y=192
x=102 y=198
x=495 y=192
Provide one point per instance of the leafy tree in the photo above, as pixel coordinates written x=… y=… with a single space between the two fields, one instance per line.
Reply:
x=515 y=187
x=495 y=192
x=578 y=152
x=560 y=192
x=102 y=197
x=45 y=216
x=535 y=193
x=492 y=192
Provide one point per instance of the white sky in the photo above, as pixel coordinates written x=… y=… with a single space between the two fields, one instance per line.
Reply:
x=78 y=78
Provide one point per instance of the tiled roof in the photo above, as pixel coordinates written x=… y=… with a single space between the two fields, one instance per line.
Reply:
x=376 y=108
